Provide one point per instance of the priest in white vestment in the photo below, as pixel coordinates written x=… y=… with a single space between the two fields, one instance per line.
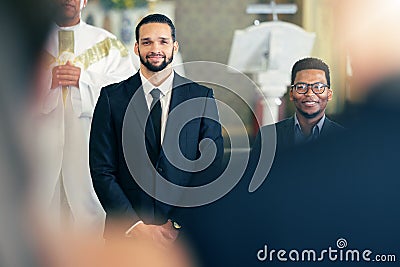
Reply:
x=81 y=59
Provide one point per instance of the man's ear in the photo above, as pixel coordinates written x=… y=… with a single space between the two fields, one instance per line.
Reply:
x=176 y=47
x=330 y=94
x=291 y=94
x=136 y=48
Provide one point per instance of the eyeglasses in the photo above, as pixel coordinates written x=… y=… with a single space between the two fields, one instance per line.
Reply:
x=317 y=88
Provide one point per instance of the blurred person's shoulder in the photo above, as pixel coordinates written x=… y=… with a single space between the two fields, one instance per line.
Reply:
x=385 y=94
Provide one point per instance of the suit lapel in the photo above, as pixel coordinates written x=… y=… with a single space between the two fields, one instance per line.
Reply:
x=288 y=132
x=291 y=131
x=326 y=127
x=180 y=93
x=138 y=106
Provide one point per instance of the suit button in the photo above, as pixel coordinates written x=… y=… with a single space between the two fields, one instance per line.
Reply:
x=160 y=169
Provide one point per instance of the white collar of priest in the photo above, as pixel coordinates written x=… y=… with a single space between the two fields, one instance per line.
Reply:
x=69 y=28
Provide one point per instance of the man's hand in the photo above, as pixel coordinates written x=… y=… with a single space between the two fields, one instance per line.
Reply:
x=162 y=234
x=65 y=75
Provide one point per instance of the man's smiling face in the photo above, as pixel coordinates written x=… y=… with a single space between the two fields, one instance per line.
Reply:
x=310 y=105
x=155 y=47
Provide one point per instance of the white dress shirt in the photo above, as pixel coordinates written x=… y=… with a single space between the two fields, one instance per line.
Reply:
x=165 y=97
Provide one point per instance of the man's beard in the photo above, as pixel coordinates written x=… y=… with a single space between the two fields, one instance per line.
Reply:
x=154 y=68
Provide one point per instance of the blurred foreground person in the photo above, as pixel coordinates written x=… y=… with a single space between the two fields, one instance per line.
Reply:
x=79 y=251
x=24 y=26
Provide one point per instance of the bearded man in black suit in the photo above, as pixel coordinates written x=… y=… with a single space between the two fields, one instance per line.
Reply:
x=148 y=133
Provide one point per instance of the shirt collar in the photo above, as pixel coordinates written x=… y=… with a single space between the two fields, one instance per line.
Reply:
x=69 y=28
x=164 y=87
x=319 y=124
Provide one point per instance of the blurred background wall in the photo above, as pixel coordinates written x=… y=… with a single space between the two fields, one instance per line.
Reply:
x=205 y=30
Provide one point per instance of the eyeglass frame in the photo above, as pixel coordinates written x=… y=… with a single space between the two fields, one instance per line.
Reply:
x=293 y=86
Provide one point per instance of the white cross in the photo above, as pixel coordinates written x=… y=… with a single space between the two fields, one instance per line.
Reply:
x=272 y=8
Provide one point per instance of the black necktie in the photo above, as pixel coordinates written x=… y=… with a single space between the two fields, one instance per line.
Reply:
x=155 y=116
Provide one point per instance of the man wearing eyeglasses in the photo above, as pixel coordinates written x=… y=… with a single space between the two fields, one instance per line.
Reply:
x=310 y=93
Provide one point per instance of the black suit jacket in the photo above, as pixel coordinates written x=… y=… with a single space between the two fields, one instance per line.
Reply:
x=285 y=132
x=119 y=158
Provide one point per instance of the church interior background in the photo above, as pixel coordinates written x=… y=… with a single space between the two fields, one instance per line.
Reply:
x=205 y=31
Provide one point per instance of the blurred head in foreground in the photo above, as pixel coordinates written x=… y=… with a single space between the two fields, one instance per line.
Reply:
x=24 y=26
x=371 y=31
x=68 y=249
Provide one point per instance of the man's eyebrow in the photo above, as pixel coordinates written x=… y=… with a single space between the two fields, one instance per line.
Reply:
x=160 y=38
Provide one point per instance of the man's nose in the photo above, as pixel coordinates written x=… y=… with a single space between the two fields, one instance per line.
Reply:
x=309 y=90
x=155 y=47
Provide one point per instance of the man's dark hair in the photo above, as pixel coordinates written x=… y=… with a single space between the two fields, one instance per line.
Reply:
x=155 y=18
x=311 y=63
